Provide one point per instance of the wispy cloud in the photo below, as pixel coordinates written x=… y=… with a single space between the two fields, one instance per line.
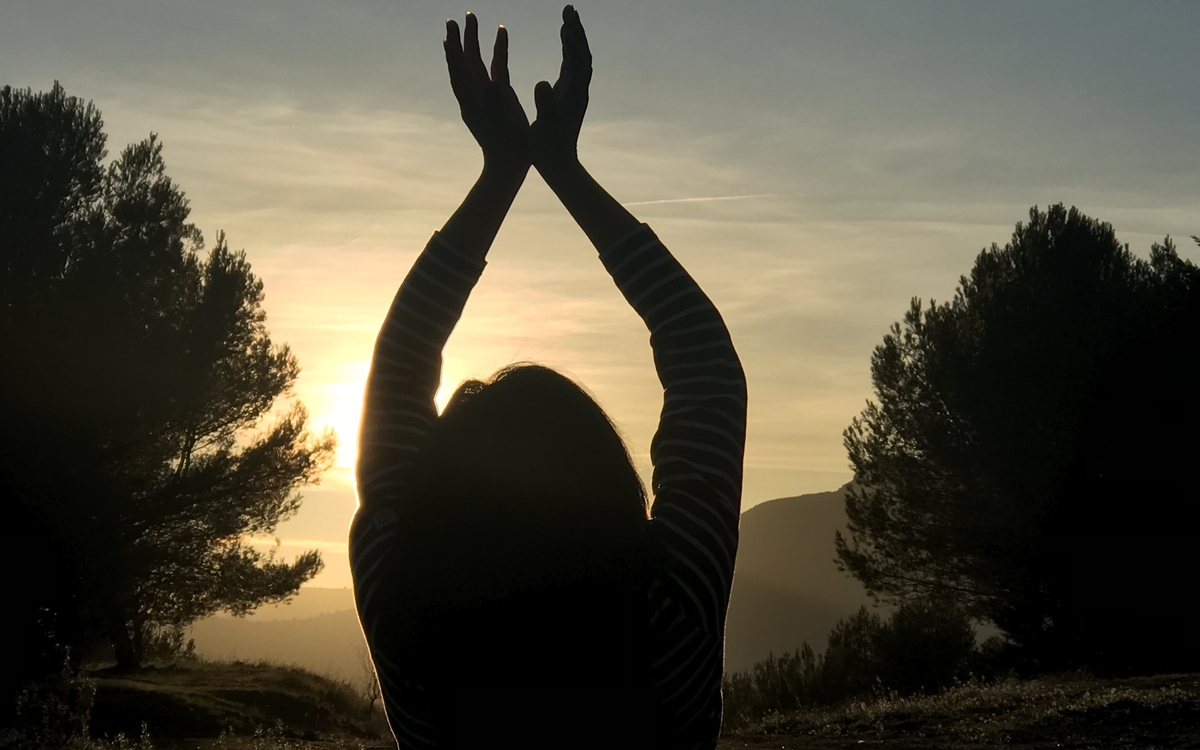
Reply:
x=707 y=199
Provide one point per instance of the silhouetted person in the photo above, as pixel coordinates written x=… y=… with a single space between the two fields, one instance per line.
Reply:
x=510 y=582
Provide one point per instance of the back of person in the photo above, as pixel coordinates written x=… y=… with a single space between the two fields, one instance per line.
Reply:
x=555 y=668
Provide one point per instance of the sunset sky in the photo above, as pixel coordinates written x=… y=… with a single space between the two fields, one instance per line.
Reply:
x=814 y=165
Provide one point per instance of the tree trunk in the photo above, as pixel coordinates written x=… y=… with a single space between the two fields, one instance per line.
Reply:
x=139 y=645
x=124 y=647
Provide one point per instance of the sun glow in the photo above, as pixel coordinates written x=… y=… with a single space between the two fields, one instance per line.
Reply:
x=338 y=405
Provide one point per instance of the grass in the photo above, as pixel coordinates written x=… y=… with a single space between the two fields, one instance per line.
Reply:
x=203 y=705
x=224 y=701
x=1070 y=711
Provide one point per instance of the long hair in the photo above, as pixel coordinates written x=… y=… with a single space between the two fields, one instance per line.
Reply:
x=522 y=534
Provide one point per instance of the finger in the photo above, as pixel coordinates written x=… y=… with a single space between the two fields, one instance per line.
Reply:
x=453 y=47
x=577 y=64
x=452 y=40
x=564 y=70
x=500 y=57
x=573 y=71
x=576 y=68
x=472 y=57
x=575 y=39
x=571 y=19
x=543 y=99
x=454 y=57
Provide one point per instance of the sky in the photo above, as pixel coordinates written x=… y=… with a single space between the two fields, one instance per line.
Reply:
x=814 y=165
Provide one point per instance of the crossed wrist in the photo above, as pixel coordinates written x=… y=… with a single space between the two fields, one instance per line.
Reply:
x=561 y=171
x=504 y=170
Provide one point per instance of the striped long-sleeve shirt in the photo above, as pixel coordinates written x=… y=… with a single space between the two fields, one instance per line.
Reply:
x=696 y=452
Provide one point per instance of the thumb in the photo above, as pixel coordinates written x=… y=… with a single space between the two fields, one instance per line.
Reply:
x=543 y=99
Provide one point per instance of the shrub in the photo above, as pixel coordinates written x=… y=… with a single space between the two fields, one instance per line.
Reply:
x=54 y=711
x=55 y=714
x=775 y=684
x=922 y=648
x=850 y=665
x=166 y=644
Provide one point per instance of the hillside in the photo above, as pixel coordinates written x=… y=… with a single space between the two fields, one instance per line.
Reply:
x=190 y=704
x=786 y=587
x=786 y=590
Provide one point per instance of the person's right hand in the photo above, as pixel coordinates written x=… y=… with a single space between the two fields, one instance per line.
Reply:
x=488 y=104
x=555 y=133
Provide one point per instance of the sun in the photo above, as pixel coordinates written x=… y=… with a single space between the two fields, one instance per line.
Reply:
x=338 y=404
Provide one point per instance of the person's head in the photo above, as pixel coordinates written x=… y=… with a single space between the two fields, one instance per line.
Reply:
x=522 y=532
x=524 y=477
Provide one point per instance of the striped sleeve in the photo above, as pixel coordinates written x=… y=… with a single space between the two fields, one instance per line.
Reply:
x=697 y=455
x=398 y=410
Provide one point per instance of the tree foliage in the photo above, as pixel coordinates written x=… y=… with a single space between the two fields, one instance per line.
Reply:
x=1026 y=454
x=137 y=393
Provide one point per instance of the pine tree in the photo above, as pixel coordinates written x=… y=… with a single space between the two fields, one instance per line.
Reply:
x=1026 y=453
x=148 y=431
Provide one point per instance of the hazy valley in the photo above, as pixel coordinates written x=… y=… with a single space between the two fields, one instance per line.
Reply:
x=786 y=590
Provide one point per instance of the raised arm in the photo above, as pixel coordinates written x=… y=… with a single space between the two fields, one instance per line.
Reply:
x=406 y=366
x=698 y=449
x=398 y=406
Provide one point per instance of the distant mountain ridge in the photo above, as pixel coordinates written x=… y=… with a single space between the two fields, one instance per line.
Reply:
x=786 y=590
x=329 y=643
x=310 y=602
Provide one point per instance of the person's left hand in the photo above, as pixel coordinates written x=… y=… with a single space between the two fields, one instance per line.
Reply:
x=554 y=136
x=488 y=104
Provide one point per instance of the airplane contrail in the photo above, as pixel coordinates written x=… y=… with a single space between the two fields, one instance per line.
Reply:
x=704 y=199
